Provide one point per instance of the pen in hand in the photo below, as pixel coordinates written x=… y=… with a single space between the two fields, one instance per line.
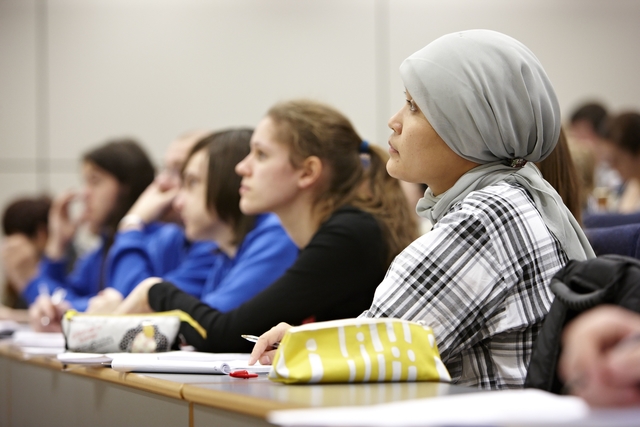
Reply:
x=254 y=338
x=56 y=298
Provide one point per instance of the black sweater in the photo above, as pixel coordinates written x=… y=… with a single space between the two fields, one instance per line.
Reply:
x=334 y=277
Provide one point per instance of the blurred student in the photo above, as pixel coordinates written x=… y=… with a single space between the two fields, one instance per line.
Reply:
x=623 y=154
x=24 y=223
x=348 y=220
x=248 y=252
x=587 y=129
x=151 y=241
x=114 y=175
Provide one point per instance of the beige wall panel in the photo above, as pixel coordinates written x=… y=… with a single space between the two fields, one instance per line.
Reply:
x=153 y=69
x=17 y=80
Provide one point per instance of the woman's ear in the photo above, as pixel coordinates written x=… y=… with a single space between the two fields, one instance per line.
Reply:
x=310 y=172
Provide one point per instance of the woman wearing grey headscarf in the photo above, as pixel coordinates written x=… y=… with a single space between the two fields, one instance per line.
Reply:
x=480 y=111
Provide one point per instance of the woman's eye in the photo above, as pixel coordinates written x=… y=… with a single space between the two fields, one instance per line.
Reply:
x=412 y=105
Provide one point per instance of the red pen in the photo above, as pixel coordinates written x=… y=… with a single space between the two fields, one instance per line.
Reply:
x=242 y=374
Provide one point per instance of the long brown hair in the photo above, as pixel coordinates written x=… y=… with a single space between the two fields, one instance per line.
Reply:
x=559 y=171
x=310 y=128
x=224 y=150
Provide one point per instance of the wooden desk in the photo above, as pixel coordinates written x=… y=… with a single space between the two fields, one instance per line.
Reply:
x=41 y=391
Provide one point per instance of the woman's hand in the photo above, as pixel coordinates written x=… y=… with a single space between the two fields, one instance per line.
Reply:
x=138 y=299
x=20 y=260
x=61 y=226
x=105 y=302
x=600 y=359
x=45 y=315
x=151 y=205
x=263 y=349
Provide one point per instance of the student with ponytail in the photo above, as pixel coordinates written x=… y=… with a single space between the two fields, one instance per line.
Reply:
x=337 y=203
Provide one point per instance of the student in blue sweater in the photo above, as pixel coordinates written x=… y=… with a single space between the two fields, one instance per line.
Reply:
x=151 y=239
x=247 y=252
x=114 y=175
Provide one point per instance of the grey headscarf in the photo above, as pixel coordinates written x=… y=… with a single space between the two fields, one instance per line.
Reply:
x=490 y=100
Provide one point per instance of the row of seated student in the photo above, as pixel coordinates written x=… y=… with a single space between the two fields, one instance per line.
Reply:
x=479 y=277
x=606 y=148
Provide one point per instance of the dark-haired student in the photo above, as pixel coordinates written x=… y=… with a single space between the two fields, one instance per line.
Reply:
x=114 y=175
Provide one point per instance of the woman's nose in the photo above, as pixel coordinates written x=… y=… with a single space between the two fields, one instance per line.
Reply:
x=242 y=167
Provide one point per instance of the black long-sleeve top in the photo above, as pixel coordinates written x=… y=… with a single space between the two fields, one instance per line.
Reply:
x=334 y=277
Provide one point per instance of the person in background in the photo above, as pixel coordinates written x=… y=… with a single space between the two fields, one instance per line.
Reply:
x=349 y=221
x=151 y=241
x=622 y=152
x=480 y=277
x=249 y=252
x=587 y=123
x=24 y=223
x=114 y=175
x=600 y=359
x=587 y=128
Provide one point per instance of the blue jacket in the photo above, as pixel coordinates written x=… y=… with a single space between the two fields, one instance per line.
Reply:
x=84 y=281
x=160 y=250
x=201 y=269
x=81 y=284
x=264 y=255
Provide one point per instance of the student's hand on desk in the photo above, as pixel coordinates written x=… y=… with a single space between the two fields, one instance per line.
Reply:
x=105 y=302
x=262 y=350
x=600 y=360
x=138 y=299
x=45 y=316
x=20 y=260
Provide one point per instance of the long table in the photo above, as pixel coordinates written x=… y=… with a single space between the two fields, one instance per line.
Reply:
x=40 y=391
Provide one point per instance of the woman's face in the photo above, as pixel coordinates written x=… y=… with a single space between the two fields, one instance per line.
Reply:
x=419 y=155
x=200 y=223
x=626 y=163
x=269 y=180
x=101 y=190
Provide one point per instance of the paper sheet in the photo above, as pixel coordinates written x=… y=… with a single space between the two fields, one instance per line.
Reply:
x=493 y=408
x=38 y=339
x=184 y=362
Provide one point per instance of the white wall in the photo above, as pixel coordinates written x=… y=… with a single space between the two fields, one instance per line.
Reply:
x=76 y=72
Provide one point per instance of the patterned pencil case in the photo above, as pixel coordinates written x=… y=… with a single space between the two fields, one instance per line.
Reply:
x=130 y=333
x=358 y=350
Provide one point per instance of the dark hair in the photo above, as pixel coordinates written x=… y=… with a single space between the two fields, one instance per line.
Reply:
x=593 y=113
x=129 y=164
x=310 y=128
x=559 y=170
x=225 y=150
x=26 y=216
x=624 y=131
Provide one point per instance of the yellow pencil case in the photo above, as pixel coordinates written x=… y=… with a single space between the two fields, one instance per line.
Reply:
x=130 y=333
x=358 y=350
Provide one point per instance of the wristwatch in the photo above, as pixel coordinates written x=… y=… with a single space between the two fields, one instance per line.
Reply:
x=131 y=222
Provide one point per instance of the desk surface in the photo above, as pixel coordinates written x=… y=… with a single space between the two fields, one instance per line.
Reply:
x=251 y=399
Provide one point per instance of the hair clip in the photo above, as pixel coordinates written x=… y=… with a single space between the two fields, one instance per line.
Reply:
x=364 y=147
x=517 y=163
